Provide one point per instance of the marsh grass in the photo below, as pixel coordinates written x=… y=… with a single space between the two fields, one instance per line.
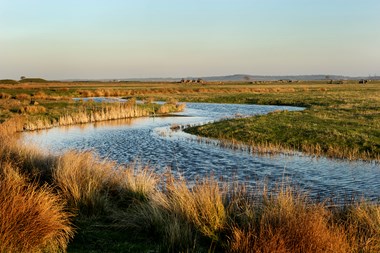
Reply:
x=32 y=218
x=302 y=131
x=361 y=222
x=93 y=186
x=338 y=122
x=81 y=180
x=20 y=115
x=33 y=163
x=102 y=113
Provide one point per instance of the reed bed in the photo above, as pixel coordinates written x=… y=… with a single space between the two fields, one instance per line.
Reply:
x=36 y=117
x=106 y=112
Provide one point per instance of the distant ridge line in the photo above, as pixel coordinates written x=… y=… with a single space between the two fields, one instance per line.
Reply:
x=237 y=77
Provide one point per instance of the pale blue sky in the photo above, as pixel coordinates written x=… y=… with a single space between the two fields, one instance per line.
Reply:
x=178 y=38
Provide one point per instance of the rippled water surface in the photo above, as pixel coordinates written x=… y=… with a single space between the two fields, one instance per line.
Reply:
x=150 y=141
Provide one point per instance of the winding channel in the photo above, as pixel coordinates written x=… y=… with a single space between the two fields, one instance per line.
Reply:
x=150 y=141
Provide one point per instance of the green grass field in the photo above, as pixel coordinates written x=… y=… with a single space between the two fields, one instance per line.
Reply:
x=340 y=121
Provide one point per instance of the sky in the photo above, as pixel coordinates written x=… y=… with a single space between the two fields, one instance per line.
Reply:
x=100 y=39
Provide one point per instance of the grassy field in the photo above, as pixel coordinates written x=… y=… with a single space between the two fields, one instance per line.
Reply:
x=77 y=202
x=341 y=121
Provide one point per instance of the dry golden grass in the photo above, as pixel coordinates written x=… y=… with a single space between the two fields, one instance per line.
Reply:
x=106 y=112
x=81 y=180
x=202 y=205
x=131 y=184
x=104 y=93
x=40 y=95
x=82 y=114
x=170 y=107
x=32 y=162
x=32 y=109
x=284 y=223
x=32 y=219
x=23 y=96
x=361 y=222
x=93 y=186
x=5 y=95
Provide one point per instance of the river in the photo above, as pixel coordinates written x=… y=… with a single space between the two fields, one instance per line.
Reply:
x=150 y=141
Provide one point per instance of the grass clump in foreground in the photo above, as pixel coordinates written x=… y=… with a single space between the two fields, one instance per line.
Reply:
x=341 y=122
x=136 y=210
x=32 y=218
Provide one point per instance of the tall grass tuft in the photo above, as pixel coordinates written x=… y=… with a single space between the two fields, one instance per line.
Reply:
x=362 y=225
x=202 y=205
x=180 y=216
x=285 y=222
x=82 y=179
x=32 y=162
x=132 y=184
x=155 y=219
x=32 y=218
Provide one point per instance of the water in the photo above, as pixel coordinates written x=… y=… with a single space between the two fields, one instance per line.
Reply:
x=151 y=141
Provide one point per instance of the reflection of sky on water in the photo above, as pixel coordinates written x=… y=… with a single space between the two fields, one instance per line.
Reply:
x=150 y=141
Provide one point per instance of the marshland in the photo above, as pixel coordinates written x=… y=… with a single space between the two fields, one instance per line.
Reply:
x=290 y=167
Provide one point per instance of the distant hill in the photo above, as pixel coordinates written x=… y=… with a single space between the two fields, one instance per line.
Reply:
x=242 y=77
x=236 y=77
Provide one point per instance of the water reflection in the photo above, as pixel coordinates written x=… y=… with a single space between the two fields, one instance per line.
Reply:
x=151 y=141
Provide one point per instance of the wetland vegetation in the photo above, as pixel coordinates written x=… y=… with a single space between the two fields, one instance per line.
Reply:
x=80 y=203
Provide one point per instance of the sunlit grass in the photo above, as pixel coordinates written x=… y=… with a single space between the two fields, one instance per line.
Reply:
x=340 y=122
